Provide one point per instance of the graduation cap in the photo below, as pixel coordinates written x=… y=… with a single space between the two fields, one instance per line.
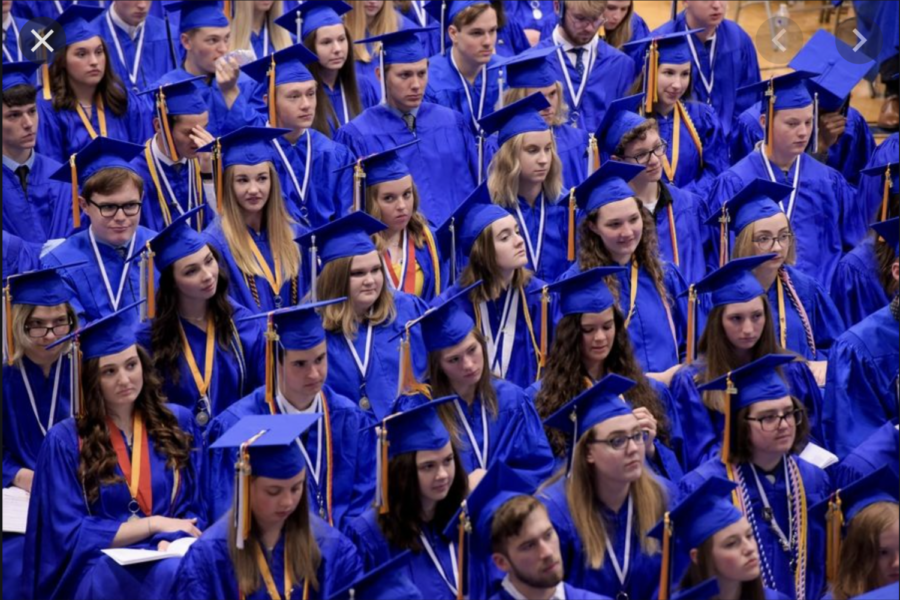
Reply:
x=669 y=49
x=621 y=117
x=758 y=381
x=783 y=93
x=889 y=231
x=280 y=68
x=313 y=15
x=459 y=232
x=824 y=54
x=175 y=95
x=374 y=169
x=198 y=13
x=18 y=73
x=519 y=117
x=891 y=174
x=707 y=590
x=445 y=12
x=350 y=235
x=530 y=69
x=267 y=447
x=695 y=519
x=599 y=403
x=387 y=581
x=244 y=146
x=400 y=47
x=79 y=23
x=100 y=154
x=606 y=185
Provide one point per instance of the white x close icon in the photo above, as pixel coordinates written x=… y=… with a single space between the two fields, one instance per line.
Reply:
x=42 y=41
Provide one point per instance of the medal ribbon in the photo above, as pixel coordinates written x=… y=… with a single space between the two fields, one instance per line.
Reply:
x=140 y=488
x=101 y=119
x=202 y=381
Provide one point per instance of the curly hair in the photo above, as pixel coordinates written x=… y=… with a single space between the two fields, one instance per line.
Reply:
x=566 y=377
x=98 y=458
x=110 y=89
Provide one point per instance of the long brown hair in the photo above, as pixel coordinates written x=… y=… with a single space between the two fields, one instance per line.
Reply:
x=300 y=545
x=858 y=566
x=483 y=266
x=742 y=447
x=325 y=113
x=98 y=459
x=621 y=35
x=884 y=252
x=110 y=87
x=565 y=376
x=402 y=524
x=334 y=282
x=167 y=347
x=705 y=568
x=417 y=222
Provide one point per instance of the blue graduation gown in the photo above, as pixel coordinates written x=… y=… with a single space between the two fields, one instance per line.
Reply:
x=369 y=96
x=862 y=371
x=855 y=289
x=736 y=65
x=824 y=319
x=367 y=69
x=207 y=571
x=156 y=56
x=817 y=487
x=237 y=370
x=639 y=31
x=215 y=101
x=18 y=256
x=689 y=230
x=382 y=377
x=11 y=50
x=642 y=578
x=353 y=477
x=693 y=174
x=572 y=148
x=702 y=428
x=822 y=218
x=374 y=550
x=65 y=536
x=572 y=593
x=849 y=155
x=554 y=244
x=445 y=88
x=523 y=369
x=45 y=212
x=62 y=133
x=86 y=281
x=291 y=292
x=610 y=78
x=511 y=40
x=871 y=187
x=30 y=9
x=879 y=449
x=444 y=162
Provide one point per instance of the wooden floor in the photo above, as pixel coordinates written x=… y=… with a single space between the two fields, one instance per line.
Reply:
x=753 y=18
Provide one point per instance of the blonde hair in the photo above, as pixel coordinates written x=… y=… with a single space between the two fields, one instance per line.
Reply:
x=243 y=26
x=858 y=568
x=334 y=282
x=505 y=168
x=417 y=223
x=562 y=114
x=744 y=246
x=20 y=315
x=276 y=221
x=386 y=21
x=649 y=497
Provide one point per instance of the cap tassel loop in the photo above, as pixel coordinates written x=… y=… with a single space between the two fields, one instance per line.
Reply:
x=666 y=558
x=220 y=176
x=383 y=471
x=76 y=210
x=465 y=526
x=726 y=439
x=691 y=324
x=359 y=179
x=651 y=94
x=271 y=340
x=833 y=545
x=164 y=121
x=570 y=251
x=8 y=341
x=770 y=117
x=270 y=99
x=886 y=195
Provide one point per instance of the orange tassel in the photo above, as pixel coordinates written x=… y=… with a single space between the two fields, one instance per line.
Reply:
x=691 y=323
x=10 y=343
x=770 y=118
x=271 y=339
x=651 y=95
x=384 y=471
x=273 y=116
x=726 y=439
x=227 y=10
x=570 y=254
x=463 y=526
x=45 y=75
x=151 y=284
x=666 y=552
x=220 y=176
x=545 y=303
x=408 y=381
x=833 y=545
x=76 y=210
x=167 y=131
x=885 y=197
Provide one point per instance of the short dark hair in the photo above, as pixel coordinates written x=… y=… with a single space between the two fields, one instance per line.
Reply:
x=742 y=449
x=509 y=519
x=20 y=95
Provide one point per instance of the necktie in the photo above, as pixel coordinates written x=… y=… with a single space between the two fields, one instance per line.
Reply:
x=22 y=174
x=410 y=120
x=123 y=252
x=579 y=60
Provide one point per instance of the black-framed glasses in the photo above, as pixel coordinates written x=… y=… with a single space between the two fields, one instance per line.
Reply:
x=620 y=441
x=767 y=242
x=108 y=211
x=773 y=422
x=643 y=158
x=39 y=331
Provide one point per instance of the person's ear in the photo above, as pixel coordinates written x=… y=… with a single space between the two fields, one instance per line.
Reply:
x=156 y=124
x=762 y=120
x=453 y=32
x=694 y=555
x=378 y=73
x=895 y=271
x=501 y=562
x=186 y=41
x=83 y=203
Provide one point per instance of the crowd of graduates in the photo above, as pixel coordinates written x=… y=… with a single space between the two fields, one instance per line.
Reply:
x=445 y=299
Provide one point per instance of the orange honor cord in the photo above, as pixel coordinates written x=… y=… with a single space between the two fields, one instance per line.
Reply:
x=270 y=100
x=570 y=253
x=691 y=323
x=534 y=341
x=271 y=340
x=151 y=284
x=226 y=8
x=329 y=451
x=666 y=558
x=76 y=210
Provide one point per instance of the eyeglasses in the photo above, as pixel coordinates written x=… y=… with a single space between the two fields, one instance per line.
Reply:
x=58 y=330
x=582 y=21
x=108 y=211
x=644 y=157
x=620 y=441
x=766 y=242
x=773 y=422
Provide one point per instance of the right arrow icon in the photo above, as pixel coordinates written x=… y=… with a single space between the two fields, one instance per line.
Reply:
x=862 y=40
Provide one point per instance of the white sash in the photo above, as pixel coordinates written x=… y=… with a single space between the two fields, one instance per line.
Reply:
x=193 y=198
x=114 y=300
x=790 y=207
x=133 y=73
x=437 y=564
x=54 y=397
x=484 y=86
x=534 y=251
x=481 y=454
x=301 y=189
x=315 y=470
x=362 y=365
x=622 y=571
x=15 y=28
x=707 y=83
x=592 y=58
x=505 y=335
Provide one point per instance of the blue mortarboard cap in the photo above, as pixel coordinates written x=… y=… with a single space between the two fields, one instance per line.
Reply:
x=298 y=327
x=453 y=8
x=606 y=185
x=791 y=90
x=19 y=73
x=523 y=116
x=880 y=171
x=621 y=117
x=175 y=241
x=892 y=590
x=348 y=236
x=290 y=65
x=313 y=15
x=824 y=54
x=755 y=382
x=247 y=145
x=419 y=428
x=734 y=282
x=275 y=453
x=498 y=486
x=701 y=514
x=673 y=48
x=78 y=23
x=585 y=292
x=100 y=154
x=447 y=324
x=105 y=336
x=889 y=231
x=474 y=215
x=383 y=166
x=44 y=287
x=182 y=94
x=757 y=200
x=198 y=13
x=401 y=47
x=387 y=581
x=530 y=69
x=599 y=403
x=707 y=590
x=880 y=486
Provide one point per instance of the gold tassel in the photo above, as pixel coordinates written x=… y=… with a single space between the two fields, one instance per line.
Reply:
x=227 y=10
x=833 y=545
x=167 y=131
x=570 y=254
x=45 y=75
x=220 y=176
x=271 y=339
x=460 y=554
x=652 y=94
x=384 y=471
x=885 y=196
x=273 y=116
x=691 y=322
x=770 y=118
x=151 y=284
x=8 y=329
x=666 y=553
x=724 y=220
x=408 y=381
x=726 y=439
x=76 y=210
